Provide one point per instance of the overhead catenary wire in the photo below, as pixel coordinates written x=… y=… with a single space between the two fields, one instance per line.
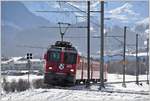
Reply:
x=73 y=11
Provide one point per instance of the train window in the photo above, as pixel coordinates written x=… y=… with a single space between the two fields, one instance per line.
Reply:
x=70 y=58
x=54 y=56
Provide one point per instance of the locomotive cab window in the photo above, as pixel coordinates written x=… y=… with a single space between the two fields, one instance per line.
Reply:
x=54 y=56
x=70 y=58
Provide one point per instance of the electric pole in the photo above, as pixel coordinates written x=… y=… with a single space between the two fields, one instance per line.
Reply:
x=88 y=43
x=124 y=57
x=137 y=61
x=102 y=47
x=147 y=61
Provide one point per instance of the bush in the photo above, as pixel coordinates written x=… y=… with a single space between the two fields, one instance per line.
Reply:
x=22 y=85
x=39 y=83
x=13 y=86
x=6 y=85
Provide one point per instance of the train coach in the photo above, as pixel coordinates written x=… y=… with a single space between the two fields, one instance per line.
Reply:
x=64 y=65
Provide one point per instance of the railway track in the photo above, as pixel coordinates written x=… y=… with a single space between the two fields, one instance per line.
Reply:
x=81 y=85
x=128 y=92
x=97 y=81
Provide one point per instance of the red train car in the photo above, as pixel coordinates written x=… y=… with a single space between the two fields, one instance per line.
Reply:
x=94 y=69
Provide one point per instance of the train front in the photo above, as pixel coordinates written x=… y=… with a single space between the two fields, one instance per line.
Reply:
x=61 y=62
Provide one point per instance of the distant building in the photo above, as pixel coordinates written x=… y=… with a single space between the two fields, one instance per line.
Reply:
x=20 y=64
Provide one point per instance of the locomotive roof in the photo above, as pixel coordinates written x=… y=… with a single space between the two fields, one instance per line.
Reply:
x=63 y=44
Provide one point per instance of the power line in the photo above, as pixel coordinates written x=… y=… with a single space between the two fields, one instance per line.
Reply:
x=85 y=12
x=63 y=27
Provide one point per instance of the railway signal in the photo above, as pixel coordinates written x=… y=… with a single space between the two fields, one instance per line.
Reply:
x=29 y=56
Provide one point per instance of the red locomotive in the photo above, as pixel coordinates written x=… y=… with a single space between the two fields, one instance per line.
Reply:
x=65 y=66
x=61 y=62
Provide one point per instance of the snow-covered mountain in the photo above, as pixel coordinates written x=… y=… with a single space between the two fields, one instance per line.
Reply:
x=25 y=29
x=17 y=14
x=16 y=18
x=143 y=25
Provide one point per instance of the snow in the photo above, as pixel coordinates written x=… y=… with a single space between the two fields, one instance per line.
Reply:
x=119 y=77
x=110 y=77
x=144 y=21
x=114 y=92
x=72 y=95
x=123 y=12
x=25 y=77
x=125 y=8
x=139 y=54
x=16 y=58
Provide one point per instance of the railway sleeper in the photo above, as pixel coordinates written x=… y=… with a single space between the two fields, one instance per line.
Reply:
x=85 y=81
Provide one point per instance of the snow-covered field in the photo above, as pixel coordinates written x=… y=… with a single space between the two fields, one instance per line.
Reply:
x=110 y=77
x=78 y=95
x=112 y=92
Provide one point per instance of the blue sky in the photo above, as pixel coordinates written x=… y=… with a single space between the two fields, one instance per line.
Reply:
x=121 y=13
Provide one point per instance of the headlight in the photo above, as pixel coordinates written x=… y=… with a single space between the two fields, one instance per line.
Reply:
x=50 y=68
x=72 y=70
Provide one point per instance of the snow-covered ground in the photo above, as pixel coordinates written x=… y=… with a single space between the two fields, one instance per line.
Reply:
x=110 y=77
x=25 y=77
x=75 y=95
x=112 y=92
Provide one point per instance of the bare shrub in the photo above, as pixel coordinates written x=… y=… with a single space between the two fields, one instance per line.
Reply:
x=6 y=87
x=13 y=86
x=39 y=83
x=22 y=85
